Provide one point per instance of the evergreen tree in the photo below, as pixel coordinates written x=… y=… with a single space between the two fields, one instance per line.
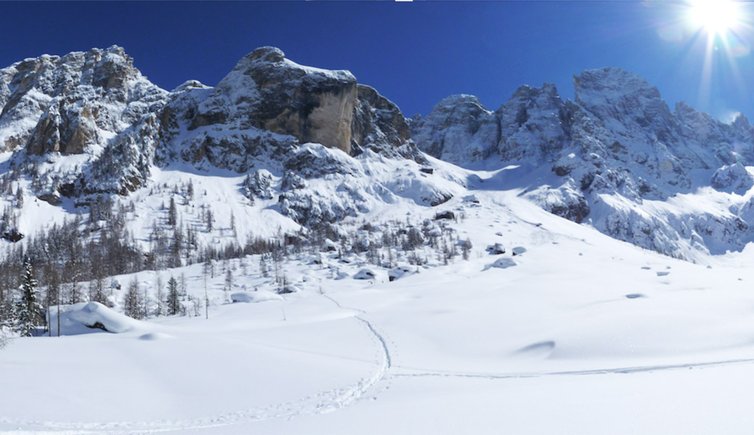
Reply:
x=20 y=197
x=172 y=213
x=209 y=218
x=175 y=247
x=132 y=303
x=29 y=311
x=174 y=305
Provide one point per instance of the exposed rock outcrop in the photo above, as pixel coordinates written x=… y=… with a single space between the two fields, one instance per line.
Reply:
x=269 y=92
x=68 y=104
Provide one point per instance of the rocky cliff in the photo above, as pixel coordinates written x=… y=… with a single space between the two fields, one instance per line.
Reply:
x=318 y=146
x=617 y=157
x=88 y=123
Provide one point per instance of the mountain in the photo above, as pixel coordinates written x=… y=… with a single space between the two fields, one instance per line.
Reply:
x=89 y=123
x=104 y=173
x=345 y=264
x=616 y=158
x=314 y=146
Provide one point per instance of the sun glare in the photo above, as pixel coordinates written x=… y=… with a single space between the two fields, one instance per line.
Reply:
x=716 y=17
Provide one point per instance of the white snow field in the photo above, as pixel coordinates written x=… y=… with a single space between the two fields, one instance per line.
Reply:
x=581 y=334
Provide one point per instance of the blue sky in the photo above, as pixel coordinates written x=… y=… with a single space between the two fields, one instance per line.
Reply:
x=413 y=53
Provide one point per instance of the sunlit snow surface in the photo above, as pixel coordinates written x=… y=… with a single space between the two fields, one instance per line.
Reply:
x=583 y=334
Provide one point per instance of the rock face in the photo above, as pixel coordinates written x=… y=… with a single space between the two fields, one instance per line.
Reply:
x=616 y=157
x=533 y=124
x=97 y=104
x=458 y=130
x=88 y=123
x=377 y=122
x=68 y=104
x=732 y=178
x=268 y=105
x=270 y=92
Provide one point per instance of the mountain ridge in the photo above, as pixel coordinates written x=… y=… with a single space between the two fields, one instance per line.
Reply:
x=616 y=157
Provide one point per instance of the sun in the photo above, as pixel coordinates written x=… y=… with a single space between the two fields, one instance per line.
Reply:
x=716 y=17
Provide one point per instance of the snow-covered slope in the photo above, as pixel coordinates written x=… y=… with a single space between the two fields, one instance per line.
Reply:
x=354 y=283
x=445 y=349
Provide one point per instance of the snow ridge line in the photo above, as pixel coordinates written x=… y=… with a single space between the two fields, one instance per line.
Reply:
x=589 y=372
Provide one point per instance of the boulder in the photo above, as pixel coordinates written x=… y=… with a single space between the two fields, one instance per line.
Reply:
x=502 y=263
x=496 y=249
x=365 y=274
x=518 y=250
x=398 y=273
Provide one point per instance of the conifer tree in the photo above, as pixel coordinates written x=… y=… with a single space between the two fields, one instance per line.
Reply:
x=209 y=219
x=172 y=213
x=20 y=197
x=29 y=311
x=174 y=305
x=132 y=304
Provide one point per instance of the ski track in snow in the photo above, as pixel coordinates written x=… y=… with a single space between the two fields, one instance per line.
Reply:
x=320 y=403
x=380 y=338
x=335 y=399
x=417 y=372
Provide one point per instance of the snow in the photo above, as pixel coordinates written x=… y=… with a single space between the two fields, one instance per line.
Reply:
x=580 y=333
x=451 y=349
x=88 y=317
x=365 y=274
x=253 y=297
x=503 y=263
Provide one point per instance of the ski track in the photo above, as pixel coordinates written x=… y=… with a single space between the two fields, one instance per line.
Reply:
x=320 y=403
x=418 y=372
x=335 y=399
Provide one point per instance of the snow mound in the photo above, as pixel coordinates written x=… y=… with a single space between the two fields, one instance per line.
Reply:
x=502 y=263
x=518 y=250
x=88 y=317
x=254 y=297
x=399 y=272
x=541 y=349
x=154 y=336
x=365 y=274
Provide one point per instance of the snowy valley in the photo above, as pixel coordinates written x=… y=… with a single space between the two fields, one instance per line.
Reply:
x=285 y=252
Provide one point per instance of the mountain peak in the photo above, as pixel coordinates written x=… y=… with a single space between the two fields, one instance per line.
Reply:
x=267 y=54
x=609 y=85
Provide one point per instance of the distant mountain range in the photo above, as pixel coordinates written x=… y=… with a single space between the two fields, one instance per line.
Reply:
x=314 y=146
